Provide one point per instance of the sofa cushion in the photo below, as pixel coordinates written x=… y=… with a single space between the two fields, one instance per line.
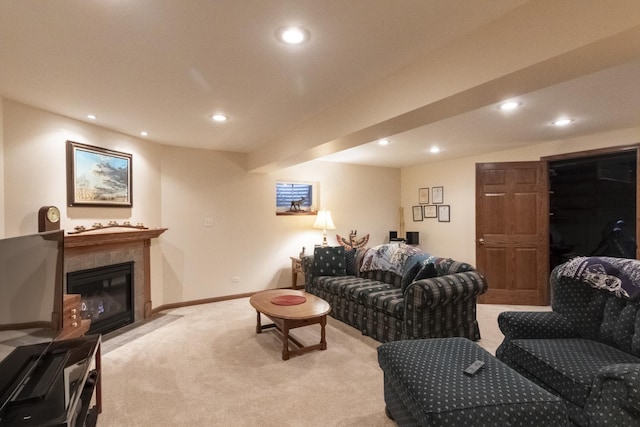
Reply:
x=567 y=366
x=426 y=272
x=329 y=261
x=383 y=276
x=350 y=262
x=412 y=266
x=349 y=287
x=389 y=301
x=618 y=327
x=409 y=275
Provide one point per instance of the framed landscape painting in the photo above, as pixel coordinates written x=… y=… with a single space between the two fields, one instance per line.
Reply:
x=97 y=176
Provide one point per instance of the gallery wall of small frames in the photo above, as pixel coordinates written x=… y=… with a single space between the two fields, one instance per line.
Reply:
x=431 y=205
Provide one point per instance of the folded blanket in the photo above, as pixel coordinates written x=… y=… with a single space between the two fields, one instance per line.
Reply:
x=621 y=276
x=388 y=257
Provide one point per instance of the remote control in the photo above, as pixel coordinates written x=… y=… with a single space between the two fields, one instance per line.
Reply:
x=474 y=368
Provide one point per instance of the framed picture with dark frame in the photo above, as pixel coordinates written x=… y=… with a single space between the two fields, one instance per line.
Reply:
x=417 y=213
x=98 y=176
x=444 y=213
x=430 y=211
x=423 y=196
x=437 y=195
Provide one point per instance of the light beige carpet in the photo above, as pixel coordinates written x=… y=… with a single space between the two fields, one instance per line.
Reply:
x=208 y=367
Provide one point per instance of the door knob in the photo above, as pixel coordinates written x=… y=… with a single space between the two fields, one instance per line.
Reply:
x=481 y=241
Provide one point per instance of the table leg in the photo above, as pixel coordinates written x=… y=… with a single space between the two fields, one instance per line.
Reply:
x=285 y=340
x=323 y=340
x=259 y=326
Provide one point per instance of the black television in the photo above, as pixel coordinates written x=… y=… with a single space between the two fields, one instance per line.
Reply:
x=31 y=288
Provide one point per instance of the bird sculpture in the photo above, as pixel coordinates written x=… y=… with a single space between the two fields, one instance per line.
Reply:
x=353 y=242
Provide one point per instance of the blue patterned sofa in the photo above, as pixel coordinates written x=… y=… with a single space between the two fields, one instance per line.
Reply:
x=395 y=292
x=587 y=350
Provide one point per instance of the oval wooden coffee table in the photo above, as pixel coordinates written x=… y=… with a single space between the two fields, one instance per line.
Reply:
x=286 y=317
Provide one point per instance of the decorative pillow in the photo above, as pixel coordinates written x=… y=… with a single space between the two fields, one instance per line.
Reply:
x=350 y=261
x=426 y=272
x=329 y=261
x=409 y=275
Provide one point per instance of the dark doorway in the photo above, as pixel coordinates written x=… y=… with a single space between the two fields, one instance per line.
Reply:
x=592 y=204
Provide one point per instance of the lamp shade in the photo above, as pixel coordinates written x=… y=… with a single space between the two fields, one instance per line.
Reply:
x=324 y=221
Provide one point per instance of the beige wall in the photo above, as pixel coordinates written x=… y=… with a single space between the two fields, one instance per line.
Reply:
x=248 y=240
x=177 y=188
x=456 y=239
x=1 y=169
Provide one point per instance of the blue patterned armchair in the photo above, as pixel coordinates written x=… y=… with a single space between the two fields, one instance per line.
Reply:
x=587 y=350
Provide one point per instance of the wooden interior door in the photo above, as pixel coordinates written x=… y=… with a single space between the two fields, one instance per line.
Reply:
x=512 y=232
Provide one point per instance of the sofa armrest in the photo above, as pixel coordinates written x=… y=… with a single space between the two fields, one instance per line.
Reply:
x=535 y=324
x=307 y=268
x=443 y=306
x=441 y=290
x=615 y=396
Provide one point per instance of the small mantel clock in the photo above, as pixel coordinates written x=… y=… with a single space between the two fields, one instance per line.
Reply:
x=48 y=218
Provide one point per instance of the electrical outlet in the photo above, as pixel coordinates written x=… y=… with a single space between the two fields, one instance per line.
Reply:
x=208 y=222
x=235 y=279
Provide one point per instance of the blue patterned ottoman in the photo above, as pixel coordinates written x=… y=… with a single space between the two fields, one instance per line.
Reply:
x=424 y=384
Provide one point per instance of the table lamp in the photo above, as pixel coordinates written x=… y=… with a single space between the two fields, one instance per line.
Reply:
x=324 y=223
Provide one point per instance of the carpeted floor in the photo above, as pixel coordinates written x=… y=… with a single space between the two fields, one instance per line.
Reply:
x=205 y=365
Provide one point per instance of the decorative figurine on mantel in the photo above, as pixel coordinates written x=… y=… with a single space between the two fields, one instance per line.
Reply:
x=353 y=242
x=112 y=224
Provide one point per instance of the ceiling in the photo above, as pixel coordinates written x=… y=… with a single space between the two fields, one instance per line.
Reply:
x=165 y=66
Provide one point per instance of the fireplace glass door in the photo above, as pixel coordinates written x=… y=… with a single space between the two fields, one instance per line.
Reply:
x=106 y=295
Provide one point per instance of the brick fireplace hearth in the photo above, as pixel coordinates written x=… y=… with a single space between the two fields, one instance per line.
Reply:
x=108 y=247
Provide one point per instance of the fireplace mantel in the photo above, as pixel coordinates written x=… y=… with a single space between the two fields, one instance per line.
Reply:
x=104 y=246
x=110 y=235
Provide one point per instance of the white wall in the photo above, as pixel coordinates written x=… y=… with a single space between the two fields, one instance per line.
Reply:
x=456 y=239
x=177 y=188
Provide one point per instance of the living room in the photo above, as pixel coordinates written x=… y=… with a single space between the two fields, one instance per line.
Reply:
x=179 y=186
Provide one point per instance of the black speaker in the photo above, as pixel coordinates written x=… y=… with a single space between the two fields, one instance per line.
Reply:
x=393 y=235
x=413 y=237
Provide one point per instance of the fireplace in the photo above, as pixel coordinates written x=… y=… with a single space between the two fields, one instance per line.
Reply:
x=107 y=295
x=102 y=248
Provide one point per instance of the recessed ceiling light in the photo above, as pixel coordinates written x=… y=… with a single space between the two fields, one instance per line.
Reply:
x=91 y=116
x=219 y=117
x=509 y=105
x=144 y=133
x=383 y=142
x=292 y=35
x=562 y=122
x=435 y=149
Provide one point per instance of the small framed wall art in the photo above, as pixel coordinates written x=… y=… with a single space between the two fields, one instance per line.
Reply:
x=296 y=198
x=444 y=213
x=98 y=177
x=430 y=211
x=417 y=213
x=423 y=196
x=437 y=195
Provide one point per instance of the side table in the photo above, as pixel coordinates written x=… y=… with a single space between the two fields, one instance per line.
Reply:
x=296 y=267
